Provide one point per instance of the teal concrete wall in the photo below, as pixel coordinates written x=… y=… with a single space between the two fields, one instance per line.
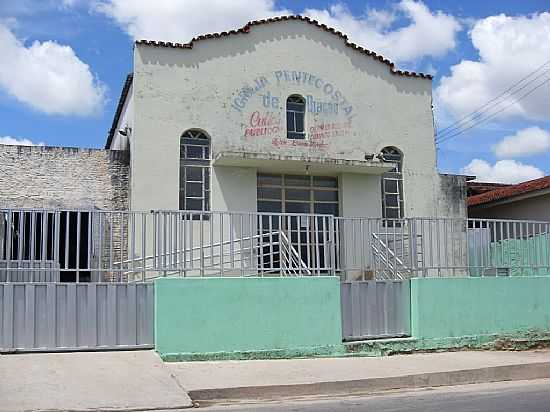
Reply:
x=455 y=307
x=523 y=257
x=206 y=315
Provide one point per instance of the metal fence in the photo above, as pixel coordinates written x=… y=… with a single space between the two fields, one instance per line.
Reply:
x=372 y=248
x=123 y=246
x=69 y=316
x=375 y=309
x=436 y=247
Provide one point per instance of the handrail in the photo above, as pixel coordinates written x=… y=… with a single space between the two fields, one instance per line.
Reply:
x=394 y=268
x=295 y=254
x=295 y=264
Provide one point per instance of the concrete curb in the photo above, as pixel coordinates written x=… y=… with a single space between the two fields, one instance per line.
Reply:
x=530 y=371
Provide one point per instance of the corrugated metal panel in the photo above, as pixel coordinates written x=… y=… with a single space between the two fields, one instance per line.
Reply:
x=56 y=316
x=38 y=271
x=375 y=309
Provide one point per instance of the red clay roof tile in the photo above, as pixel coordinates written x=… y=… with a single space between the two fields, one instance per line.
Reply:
x=247 y=27
x=510 y=191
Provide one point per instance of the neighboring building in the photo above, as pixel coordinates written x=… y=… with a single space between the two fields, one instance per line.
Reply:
x=528 y=201
x=475 y=188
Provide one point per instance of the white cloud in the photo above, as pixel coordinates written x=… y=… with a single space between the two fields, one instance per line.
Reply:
x=179 y=21
x=503 y=171
x=48 y=77
x=18 y=142
x=509 y=49
x=526 y=142
x=426 y=34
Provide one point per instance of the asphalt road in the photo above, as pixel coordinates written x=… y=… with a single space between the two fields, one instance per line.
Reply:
x=524 y=396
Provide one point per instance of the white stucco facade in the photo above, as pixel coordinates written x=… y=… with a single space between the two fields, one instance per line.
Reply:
x=235 y=87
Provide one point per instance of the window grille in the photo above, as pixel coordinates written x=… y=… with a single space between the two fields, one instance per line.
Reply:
x=195 y=154
x=297 y=194
x=392 y=185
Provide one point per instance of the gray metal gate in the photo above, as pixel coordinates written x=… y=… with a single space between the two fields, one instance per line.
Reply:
x=68 y=316
x=375 y=309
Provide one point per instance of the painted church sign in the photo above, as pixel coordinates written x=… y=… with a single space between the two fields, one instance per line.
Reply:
x=329 y=113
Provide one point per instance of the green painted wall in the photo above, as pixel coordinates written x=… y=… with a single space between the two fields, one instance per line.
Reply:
x=206 y=315
x=454 y=307
x=523 y=257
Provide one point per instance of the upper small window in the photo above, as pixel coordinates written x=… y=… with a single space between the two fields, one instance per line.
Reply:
x=295 y=113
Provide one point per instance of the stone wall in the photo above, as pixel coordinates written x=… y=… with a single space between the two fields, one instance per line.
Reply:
x=63 y=177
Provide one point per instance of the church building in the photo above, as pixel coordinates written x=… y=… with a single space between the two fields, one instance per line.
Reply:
x=283 y=115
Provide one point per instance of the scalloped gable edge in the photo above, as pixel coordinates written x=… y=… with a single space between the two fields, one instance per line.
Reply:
x=246 y=29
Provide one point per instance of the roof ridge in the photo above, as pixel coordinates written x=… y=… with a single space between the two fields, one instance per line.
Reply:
x=246 y=29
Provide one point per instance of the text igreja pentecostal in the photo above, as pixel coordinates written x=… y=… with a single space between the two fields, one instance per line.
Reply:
x=339 y=101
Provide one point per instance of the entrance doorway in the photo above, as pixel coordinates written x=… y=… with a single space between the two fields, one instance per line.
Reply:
x=306 y=237
x=298 y=194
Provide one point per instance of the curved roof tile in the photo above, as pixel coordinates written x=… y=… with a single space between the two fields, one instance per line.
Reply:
x=248 y=26
x=510 y=191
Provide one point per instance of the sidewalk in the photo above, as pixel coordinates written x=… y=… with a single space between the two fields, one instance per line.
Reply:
x=274 y=379
x=139 y=381
x=88 y=381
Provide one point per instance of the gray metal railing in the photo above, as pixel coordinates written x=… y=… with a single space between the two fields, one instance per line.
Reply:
x=374 y=248
x=128 y=246
x=437 y=247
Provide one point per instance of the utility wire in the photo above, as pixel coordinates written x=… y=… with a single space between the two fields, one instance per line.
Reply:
x=483 y=112
x=479 y=111
x=448 y=137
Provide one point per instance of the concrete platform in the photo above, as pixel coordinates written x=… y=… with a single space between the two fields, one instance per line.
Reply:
x=88 y=381
x=275 y=379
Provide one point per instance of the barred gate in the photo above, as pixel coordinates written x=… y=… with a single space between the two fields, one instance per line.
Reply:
x=75 y=316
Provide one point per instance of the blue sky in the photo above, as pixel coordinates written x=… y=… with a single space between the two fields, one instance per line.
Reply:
x=67 y=60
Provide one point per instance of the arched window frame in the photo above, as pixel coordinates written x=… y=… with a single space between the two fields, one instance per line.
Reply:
x=392 y=185
x=195 y=156
x=295 y=117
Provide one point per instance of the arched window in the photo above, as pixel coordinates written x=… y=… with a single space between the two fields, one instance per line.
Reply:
x=295 y=114
x=194 y=170
x=392 y=185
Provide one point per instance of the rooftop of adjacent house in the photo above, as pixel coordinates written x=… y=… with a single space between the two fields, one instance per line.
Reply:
x=476 y=188
x=504 y=192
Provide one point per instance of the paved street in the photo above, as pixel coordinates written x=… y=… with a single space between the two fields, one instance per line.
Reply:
x=525 y=396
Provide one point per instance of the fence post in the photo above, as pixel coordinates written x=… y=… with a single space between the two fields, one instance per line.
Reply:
x=332 y=245
x=413 y=247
